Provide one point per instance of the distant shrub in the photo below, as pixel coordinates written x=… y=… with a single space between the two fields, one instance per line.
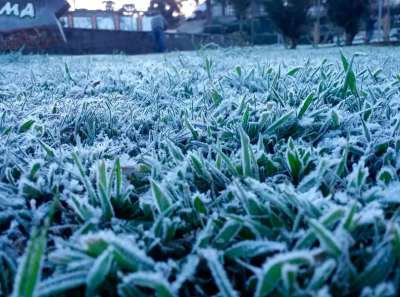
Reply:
x=289 y=17
x=347 y=15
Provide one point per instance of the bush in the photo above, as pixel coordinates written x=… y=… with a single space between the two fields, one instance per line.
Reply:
x=347 y=15
x=289 y=17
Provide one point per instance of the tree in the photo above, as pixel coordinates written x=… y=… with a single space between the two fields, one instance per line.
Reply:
x=241 y=8
x=128 y=9
x=289 y=17
x=170 y=9
x=109 y=5
x=347 y=15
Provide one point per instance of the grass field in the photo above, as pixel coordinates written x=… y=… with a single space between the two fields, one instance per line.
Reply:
x=231 y=172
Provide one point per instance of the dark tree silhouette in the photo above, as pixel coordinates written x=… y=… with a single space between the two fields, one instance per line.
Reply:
x=289 y=17
x=347 y=14
x=170 y=9
x=129 y=9
x=109 y=5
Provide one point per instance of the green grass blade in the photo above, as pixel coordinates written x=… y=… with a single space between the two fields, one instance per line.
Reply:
x=152 y=281
x=326 y=238
x=99 y=271
x=162 y=200
x=30 y=268
x=305 y=105
x=219 y=274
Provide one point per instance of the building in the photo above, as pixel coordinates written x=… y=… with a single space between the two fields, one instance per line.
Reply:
x=106 y=20
x=221 y=18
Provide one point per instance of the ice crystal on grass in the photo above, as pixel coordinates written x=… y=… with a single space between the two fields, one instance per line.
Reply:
x=251 y=172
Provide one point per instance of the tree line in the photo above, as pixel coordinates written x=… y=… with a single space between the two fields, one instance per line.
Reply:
x=291 y=18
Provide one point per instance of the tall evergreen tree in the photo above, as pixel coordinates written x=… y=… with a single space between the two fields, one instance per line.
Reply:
x=347 y=14
x=289 y=17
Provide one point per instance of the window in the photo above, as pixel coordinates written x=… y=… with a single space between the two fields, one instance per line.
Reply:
x=82 y=22
x=64 y=21
x=230 y=11
x=105 y=23
x=128 y=23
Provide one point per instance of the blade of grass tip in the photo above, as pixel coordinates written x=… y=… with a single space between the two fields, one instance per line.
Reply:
x=105 y=200
x=69 y=76
x=199 y=205
x=118 y=180
x=195 y=133
x=175 y=151
x=289 y=275
x=49 y=150
x=367 y=133
x=293 y=71
x=345 y=62
x=396 y=242
x=130 y=257
x=26 y=126
x=102 y=174
x=9 y=270
x=305 y=105
x=246 y=153
x=127 y=290
x=30 y=268
x=246 y=118
x=199 y=167
x=350 y=80
x=85 y=179
x=322 y=274
x=187 y=271
x=62 y=283
x=227 y=233
x=377 y=269
x=110 y=181
x=251 y=248
x=271 y=272
x=219 y=274
x=326 y=238
x=106 y=206
x=279 y=122
x=327 y=220
x=341 y=168
x=99 y=271
x=163 y=201
x=151 y=280
x=232 y=169
x=348 y=221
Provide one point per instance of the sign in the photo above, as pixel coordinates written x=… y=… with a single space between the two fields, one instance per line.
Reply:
x=18 y=15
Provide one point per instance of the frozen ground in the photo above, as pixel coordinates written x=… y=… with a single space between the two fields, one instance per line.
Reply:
x=232 y=172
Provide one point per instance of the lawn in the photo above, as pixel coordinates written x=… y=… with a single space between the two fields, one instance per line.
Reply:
x=229 y=172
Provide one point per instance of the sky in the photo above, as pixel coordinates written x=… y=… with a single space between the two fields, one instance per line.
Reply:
x=140 y=4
